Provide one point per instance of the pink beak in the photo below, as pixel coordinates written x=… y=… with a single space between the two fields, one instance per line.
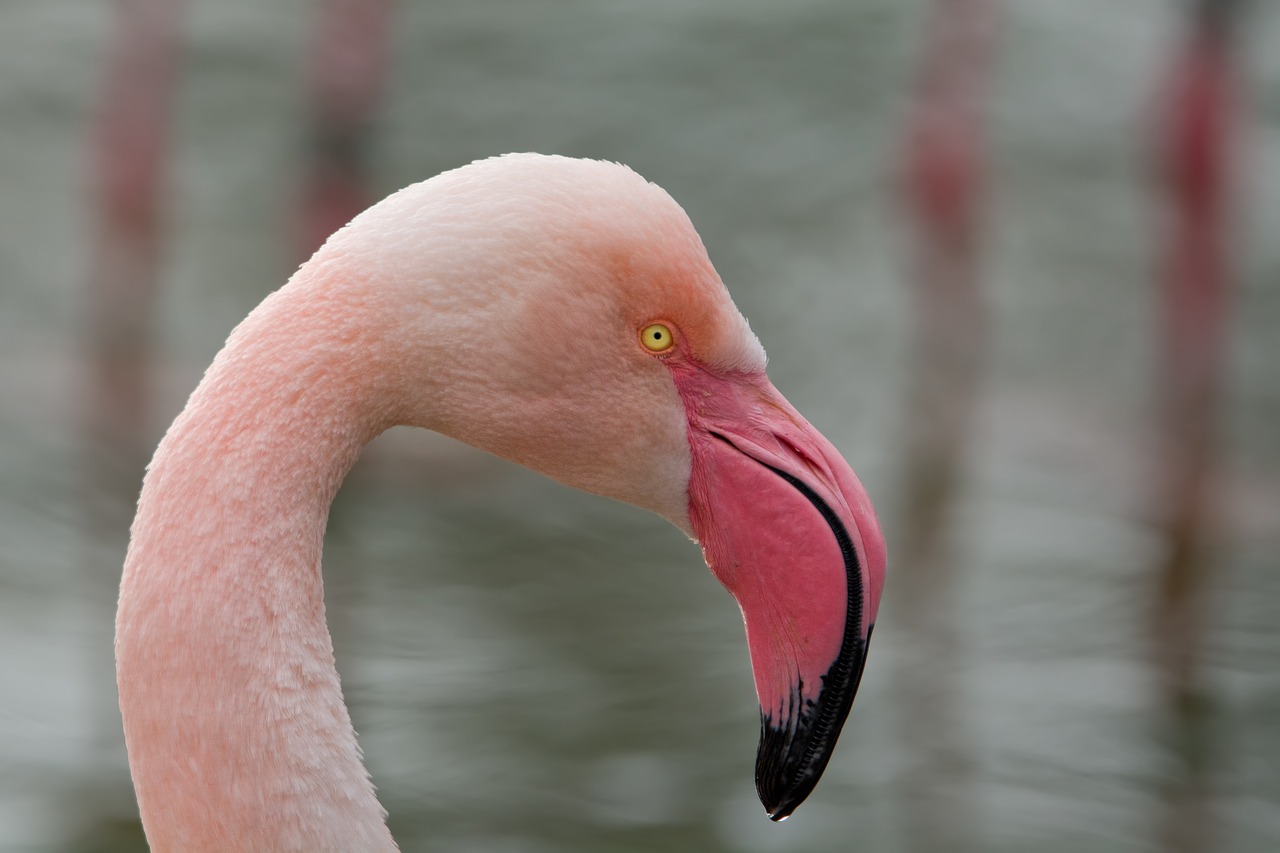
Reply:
x=788 y=529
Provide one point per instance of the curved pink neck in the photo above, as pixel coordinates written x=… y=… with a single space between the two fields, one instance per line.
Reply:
x=237 y=732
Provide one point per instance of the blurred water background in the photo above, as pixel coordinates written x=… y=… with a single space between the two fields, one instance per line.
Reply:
x=534 y=669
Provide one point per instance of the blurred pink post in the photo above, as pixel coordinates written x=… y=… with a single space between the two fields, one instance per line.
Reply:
x=346 y=74
x=944 y=189
x=128 y=156
x=1197 y=124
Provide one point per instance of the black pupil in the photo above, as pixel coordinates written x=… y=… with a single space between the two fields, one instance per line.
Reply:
x=657 y=336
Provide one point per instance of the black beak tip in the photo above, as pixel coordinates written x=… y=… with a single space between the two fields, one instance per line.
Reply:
x=788 y=768
x=780 y=800
x=793 y=755
x=783 y=810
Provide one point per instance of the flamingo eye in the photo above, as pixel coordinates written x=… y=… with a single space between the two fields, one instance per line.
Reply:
x=657 y=338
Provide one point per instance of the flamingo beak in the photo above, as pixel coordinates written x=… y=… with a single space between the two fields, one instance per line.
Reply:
x=787 y=528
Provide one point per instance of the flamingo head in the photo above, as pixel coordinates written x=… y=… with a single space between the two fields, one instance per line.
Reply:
x=576 y=325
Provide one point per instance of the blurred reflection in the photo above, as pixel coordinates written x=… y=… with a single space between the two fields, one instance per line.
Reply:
x=129 y=153
x=945 y=194
x=1195 y=151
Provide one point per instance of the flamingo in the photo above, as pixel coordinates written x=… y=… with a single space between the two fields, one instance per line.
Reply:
x=561 y=313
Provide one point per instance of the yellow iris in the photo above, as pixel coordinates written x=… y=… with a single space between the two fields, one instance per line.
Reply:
x=657 y=338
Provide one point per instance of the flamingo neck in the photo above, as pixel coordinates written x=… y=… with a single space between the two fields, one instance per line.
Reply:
x=237 y=732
